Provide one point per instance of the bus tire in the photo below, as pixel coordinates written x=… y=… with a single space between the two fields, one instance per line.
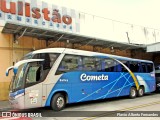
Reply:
x=58 y=102
x=133 y=92
x=141 y=92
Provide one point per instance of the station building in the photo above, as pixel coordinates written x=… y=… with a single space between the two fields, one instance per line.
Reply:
x=27 y=25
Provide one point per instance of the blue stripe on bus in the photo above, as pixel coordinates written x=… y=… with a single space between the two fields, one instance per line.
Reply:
x=17 y=93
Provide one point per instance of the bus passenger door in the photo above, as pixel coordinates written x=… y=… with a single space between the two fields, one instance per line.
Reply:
x=33 y=86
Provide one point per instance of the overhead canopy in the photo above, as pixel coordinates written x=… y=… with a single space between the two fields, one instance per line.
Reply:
x=53 y=35
x=154 y=47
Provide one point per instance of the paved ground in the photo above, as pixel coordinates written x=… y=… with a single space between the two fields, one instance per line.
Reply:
x=102 y=108
x=4 y=105
x=147 y=103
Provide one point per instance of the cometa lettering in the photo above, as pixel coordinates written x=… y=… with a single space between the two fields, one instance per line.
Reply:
x=85 y=77
x=34 y=12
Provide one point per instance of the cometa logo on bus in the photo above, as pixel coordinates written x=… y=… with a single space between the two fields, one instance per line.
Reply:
x=34 y=12
x=85 y=77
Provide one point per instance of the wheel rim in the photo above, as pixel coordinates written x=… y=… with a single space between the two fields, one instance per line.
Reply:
x=60 y=102
x=133 y=92
x=140 y=91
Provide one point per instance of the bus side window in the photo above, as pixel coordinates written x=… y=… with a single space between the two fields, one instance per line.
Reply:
x=98 y=64
x=53 y=58
x=119 y=67
x=109 y=65
x=103 y=65
x=149 y=67
x=49 y=59
x=139 y=67
x=80 y=66
x=46 y=63
x=144 y=68
x=69 y=63
x=89 y=64
x=134 y=66
x=126 y=64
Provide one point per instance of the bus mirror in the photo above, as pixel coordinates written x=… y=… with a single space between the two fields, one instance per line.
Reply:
x=8 y=69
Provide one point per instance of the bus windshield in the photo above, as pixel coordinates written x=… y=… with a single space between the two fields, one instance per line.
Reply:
x=17 y=81
x=33 y=70
x=28 y=56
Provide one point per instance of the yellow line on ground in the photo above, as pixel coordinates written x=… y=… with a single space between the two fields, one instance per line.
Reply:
x=141 y=106
x=125 y=109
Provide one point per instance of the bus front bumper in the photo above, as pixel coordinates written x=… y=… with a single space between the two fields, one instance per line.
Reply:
x=17 y=102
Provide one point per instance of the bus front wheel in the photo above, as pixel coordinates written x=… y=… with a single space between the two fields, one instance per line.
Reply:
x=58 y=102
x=133 y=92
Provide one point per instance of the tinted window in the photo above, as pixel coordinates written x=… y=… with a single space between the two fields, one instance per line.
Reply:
x=118 y=67
x=49 y=58
x=85 y=63
x=89 y=64
x=134 y=66
x=53 y=57
x=125 y=63
x=149 y=67
x=108 y=65
x=79 y=63
x=143 y=67
x=70 y=63
x=98 y=64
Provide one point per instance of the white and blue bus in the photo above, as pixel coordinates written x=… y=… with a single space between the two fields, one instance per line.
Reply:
x=59 y=76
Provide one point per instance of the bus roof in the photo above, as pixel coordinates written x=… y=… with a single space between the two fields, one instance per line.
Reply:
x=85 y=53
